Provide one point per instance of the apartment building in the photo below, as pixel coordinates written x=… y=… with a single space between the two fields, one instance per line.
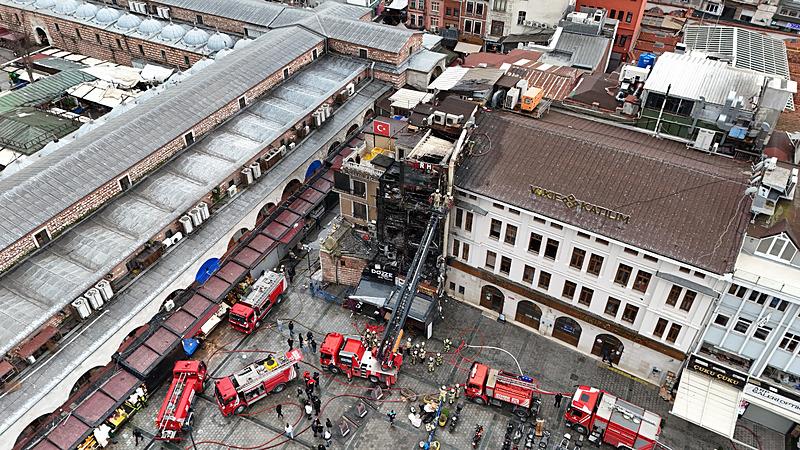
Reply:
x=593 y=242
x=520 y=17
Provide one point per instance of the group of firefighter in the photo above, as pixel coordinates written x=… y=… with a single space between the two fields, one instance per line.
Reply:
x=417 y=353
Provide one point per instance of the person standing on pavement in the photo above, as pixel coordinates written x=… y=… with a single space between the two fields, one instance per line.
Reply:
x=137 y=434
x=558 y=400
x=313 y=344
x=290 y=341
x=300 y=342
x=291 y=327
x=317 y=404
x=289 y=429
x=278 y=409
x=309 y=410
x=309 y=336
x=316 y=381
x=328 y=423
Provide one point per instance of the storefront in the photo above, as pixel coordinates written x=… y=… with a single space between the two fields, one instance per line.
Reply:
x=709 y=395
x=774 y=407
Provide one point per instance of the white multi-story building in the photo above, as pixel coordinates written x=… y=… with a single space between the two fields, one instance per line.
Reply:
x=510 y=17
x=753 y=337
x=611 y=242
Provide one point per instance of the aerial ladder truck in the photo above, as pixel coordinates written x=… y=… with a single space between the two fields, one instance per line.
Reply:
x=188 y=379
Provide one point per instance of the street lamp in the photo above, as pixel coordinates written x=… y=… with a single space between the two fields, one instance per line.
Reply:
x=307 y=248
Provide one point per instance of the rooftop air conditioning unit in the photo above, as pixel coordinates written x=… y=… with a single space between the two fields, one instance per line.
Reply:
x=232 y=190
x=177 y=237
x=186 y=223
x=81 y=305
x=327 y=109
x=94 y=297
x=282 y=150
x=318 y=118
x=139 y=7
x=167 y=242
x=204 y=210
x=247 y=176
x=292 y=145
x=256 y=169
x=197 y=216
x=163 y=12
x=439 y=117
x=351 y=89
x=343 y=92
x=105 y=289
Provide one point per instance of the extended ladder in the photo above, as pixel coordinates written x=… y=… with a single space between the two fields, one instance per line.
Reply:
x=263 y=372
x=514 y=381
x=172 y=404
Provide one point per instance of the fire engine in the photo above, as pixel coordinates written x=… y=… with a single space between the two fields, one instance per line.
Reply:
x=188 y=378
x=611 y=420
x=246 y=315
x=496 y=387
x=349 y=355
x=249 y=385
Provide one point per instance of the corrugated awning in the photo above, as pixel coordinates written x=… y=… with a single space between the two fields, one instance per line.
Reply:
x=37 y=342
x=287 y=238
x=467 y=48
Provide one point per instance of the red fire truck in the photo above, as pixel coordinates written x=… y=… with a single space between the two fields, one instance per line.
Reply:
x=496 y=387
x=249 y=385
x=188 y=378
x=349 y=355
x=246 y=315
x=611 y=420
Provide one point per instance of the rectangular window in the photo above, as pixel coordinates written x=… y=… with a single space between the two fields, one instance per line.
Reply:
x=285 y=73
x=721 y=320
x=789 y=342
x=628 y=17
x=684 y=269
x=612 y=306
x=435 y=7
x=538 y=219
x=595 y=265
x=586 y=296
x=97 y=38
x=362 y=53
x=468 y=221
x=521 y=18
x=119 y=44
x=199 y=19
x=163 y=55
x=583 y=235
x=360 y=189
x=762 y=333
x=461 y=290
x=642 y=281
x=459 y=217
x=688 y=300
x=511 y=234
x=623 y=274
x=651 y=258
x=544 y=280
x=619 y=14
x=661 y=326
x=551 y=249
x=452 y=286
x=456 y=248
x=556 y=226
x=494 y=229
x=569 y=290
x=314 y=54
x=479 y=8
x=42 y=237
x=359 y=211
x=527 y=274
x=476 y=27
x=514 y=211
x=141 y=49
x=188 y=138
x=465 y=252
x=674 y=331
x=491 y=258
x=186 y=61
x=55 y=25
x=576 y=261
x=242 y=102
x=699 y=275
x=758 y=297
x=631 y=251
x=601 y=241
x=674 y=295
x=505 y=265
x=535 y=243
x=742 y=325
x=124 y=183
x=629 y=313
x=470 y=7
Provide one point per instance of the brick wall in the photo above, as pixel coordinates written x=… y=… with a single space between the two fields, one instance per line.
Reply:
x=344 y=270
x=396 y=80
x=220 y=23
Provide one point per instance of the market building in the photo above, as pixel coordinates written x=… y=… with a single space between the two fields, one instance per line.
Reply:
x=612 y=243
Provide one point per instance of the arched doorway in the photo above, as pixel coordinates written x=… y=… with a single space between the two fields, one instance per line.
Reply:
x=608 y=347
x=492 y=298
x=567 y=330
x=529 y=314
x=41 y=36
x=333 y=147
x=352 y=130
x=313 y=168
x=264 y=212
x=237 y=237
x=290 y=188
x=368 y=116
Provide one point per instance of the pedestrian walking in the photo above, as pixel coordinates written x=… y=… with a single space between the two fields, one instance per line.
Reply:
x=391 y=414
x=309 y=410
x=309 y=336
x=137 y=434
x=313 y=345
x=317 y=404
x=280 y=325
x=316 y=426
x=299 y=393
x=300 y=340
x=290 y=341
x=321 y=447
x=558 y=400
x=278 y=410
x=316 y=380
x=291 y=327
x=328 y=423
x=327 y=436
x=289 y=429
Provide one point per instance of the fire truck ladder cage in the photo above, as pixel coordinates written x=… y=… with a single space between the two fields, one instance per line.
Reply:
x=172 y=404
x=514 y=381
x=262 y=372
x=408 y=291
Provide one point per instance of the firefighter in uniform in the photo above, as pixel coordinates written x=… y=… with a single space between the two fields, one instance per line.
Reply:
x=458 y=390
x=438 y=359
x=451 y=395
x=431 y=364
x=443 y=394
x=448 y=345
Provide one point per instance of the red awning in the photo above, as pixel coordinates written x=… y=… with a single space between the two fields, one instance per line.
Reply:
x=231 y=271
x=37 y=342
x=275 y=230
x=288 y=218
x=293 y=232
x=261 y=243
x=247 y=256
x=214 y=287
x=5 y=368
x=301 y=207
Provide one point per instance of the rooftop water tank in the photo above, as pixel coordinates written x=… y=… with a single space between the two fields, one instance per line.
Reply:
x=128 y=22
x=66 y=7
x=646 y=59
x=172 y=32
x=86 y=11
x=150 y=26
x=219 y=41
x=106 y=16
x=195 y=37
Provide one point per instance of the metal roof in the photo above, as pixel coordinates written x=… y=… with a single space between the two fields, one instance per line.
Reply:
x=746 y=49
x=367 y=34
x=148 y=287
x=578 y=50
x=256 y=12
x=691 y=77
x=44 y=90
x=425 y=60
x=26 y=130
x=46 y=282
x=683 y=205
x=49 y=185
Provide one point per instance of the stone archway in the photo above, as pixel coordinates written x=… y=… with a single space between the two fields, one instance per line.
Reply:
x=333 y=147
x=352 y=130
x=264 y=212
x=608 y=347
x=567 y=329
x=237 y=237
x=291 y=188
x=492 y=298
x=529 y=314
x=41 y=36
x=368 y=116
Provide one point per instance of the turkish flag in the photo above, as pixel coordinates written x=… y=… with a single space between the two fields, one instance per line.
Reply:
x=380 y=128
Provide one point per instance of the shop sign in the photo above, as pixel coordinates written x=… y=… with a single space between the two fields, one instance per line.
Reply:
x=571 y=202
x=385 y=273
x=775 y=396
x=718 y=372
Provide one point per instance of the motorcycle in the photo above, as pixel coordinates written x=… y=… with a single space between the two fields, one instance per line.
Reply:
x=518 y=433
x=476 y=438
x=545 y=440
x=530 y=437
x=454 y=418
